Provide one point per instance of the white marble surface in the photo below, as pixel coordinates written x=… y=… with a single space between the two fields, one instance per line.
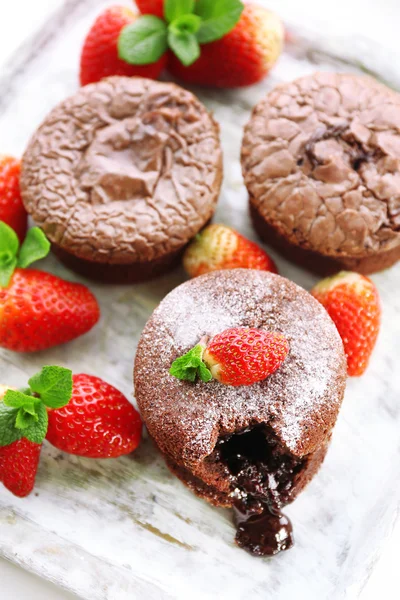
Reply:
x=49 y=541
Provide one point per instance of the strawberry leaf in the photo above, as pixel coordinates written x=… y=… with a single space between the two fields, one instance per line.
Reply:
x=36 y=431
x=176 y=8
x=53 y=385
x=9 y=246
x=35 y=246
x=190 y=365
x=219 y=17
x=144 y=41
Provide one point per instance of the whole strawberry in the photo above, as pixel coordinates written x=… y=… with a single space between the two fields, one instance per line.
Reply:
x=99 y=422
x=241 y=58
x=219 y=43
x=99 y=56
x=151 y=7
x=12 y=210
x=220 y=247
x=23 y=425
x=38 y=310
x=238 y=356
x=353 y=304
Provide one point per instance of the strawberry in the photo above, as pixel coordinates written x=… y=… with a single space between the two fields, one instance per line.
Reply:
x=353 y=304
x=243 y=57
x=99 y=422
x=238 y=356
x=23 y=426
x=12 y=210
x=221 y=43
x=99 y=56
x=38 y=310
x=151 y=7
x=220 y=247
x=18 y=466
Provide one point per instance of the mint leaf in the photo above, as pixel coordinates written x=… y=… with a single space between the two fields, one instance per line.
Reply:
x=24 y=419
x=144 y=41
x=176 y=8
x=190 y=365
x=219 y=18
x=53 y=385
x=185 y=24
x=17 y=399
x=185 y=46
x=8 y=432
x=9 y=245
x=36 y=432
x=35 y=246
x=204 y=373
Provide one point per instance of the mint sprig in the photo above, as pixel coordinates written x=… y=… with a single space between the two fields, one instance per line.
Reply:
x=23 y=413
x=187 y=24
x=34 y=247
x=191 y=365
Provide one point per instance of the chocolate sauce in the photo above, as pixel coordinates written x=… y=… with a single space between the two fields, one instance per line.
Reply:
x=261 y=477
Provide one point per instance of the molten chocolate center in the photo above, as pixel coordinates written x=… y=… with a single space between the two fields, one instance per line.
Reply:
x=262 y=477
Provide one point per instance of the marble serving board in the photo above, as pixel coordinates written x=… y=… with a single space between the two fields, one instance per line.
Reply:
x=124 y=529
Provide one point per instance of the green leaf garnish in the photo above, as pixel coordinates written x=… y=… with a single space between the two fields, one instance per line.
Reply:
x=24 y=419
x=185 y=46
x=187 y=24
x=8 y=432
x=9 y=245
x=35 y=246
x=36 y=431
x=173 y=9
x=144 y=41
x=190 y=365
x=219 y=17
x=53 y=385
x=23 y=413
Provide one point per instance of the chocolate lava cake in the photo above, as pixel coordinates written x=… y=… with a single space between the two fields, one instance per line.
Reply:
x=321 y=162
x=253 y=447
x=122 y=175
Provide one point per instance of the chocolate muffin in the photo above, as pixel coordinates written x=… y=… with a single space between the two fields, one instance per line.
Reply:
x=321 y=161
x=122 y=175
x=252 y=447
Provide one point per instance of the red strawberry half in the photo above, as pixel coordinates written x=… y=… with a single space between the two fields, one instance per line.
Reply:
x=353 y=304
x=98 y=422
x=220 y=247
x=238 y=356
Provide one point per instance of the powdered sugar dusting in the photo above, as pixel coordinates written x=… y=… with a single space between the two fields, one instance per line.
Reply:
x=299 y=402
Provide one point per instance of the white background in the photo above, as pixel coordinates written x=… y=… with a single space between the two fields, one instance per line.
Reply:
x=378 y=20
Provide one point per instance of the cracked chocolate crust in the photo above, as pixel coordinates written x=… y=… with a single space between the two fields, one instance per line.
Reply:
x=124 y=172
x=321 y=161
